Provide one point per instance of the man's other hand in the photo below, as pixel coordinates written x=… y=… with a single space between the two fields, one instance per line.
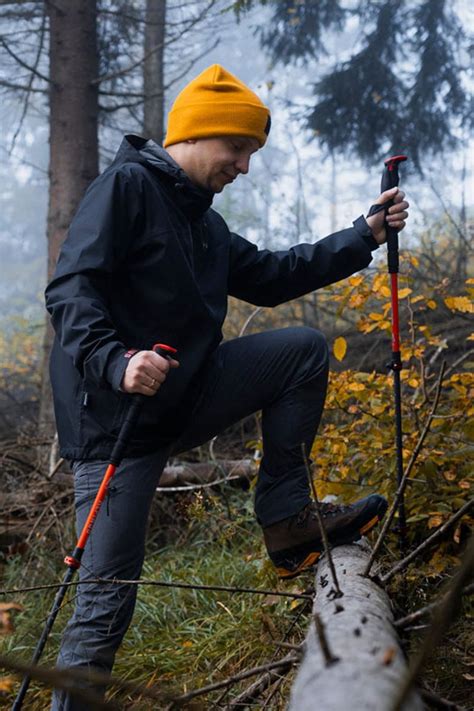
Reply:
x=396 y=216
x=146 y=372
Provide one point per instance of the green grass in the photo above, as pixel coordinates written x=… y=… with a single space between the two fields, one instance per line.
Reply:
x=184 y=639
x=180 y=639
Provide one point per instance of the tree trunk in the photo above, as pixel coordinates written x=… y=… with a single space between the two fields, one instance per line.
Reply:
x=153 y=70
x=367 y=664
x=73 y=139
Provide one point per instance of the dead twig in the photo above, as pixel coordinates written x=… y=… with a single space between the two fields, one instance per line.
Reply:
x=60 y=679
x=72 y=680
x=337 y=590
x=255 y=690
x=284 y=663
x=402 y=564
x=427 y=610
x=437 y=702
x=194 y=487
x=247 y=322
x=460 y=360
x=34 y=70
x=158 y=583
x=274 y=691
x=403 y=483
x=444 y=615
x=329 y=657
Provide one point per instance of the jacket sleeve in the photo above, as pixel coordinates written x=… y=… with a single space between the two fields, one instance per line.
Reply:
x=267 y=278
x=76 y=298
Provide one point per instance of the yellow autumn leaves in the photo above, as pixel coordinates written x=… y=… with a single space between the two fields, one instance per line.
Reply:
x=340 y=348
x=371 y=297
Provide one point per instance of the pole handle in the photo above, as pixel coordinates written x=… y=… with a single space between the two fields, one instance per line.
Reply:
x=390 y=179
x=133 y=411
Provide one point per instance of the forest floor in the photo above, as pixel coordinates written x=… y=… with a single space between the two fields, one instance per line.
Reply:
x=184 y=639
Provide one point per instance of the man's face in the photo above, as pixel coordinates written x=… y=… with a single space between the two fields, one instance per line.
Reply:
x=213 y=163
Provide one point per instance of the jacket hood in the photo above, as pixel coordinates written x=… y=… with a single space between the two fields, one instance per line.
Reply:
x=191 y=199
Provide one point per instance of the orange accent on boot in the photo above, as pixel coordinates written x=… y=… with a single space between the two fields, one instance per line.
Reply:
x=370 y=524
x=308 y=562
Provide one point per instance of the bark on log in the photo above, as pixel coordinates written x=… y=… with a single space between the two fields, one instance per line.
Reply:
x=359 y=633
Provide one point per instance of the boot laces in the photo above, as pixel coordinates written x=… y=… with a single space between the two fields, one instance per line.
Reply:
x=326 y=509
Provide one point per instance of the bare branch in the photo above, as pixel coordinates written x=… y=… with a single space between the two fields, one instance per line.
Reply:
x=439 y=533
x=329 y=657
x=327 y=549
x=284 y=663
x=252 y=692
x=158 y=583
x=59 y=679
x=191 y=64
x=247 y=321
x=20 y=87
x=72 y=680
x=459 y=231
x=442 y=619
x=31 y=165
x=459 y=360
x=403 y=483
x=22 y=63
x=195 y=487
x=157 y=48
x=30 y=82
x=435 y=701
x=427 y=610
x=21 y=2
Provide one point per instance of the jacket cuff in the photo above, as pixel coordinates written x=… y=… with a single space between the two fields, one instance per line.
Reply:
x=117 y=367
x=363 y=229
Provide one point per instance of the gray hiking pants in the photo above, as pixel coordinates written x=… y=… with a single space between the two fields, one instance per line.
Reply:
x=284 y=374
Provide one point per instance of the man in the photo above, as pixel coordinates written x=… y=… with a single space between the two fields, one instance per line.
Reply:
x=147 y=260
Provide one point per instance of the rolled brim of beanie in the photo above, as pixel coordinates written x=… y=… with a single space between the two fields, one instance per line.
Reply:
x=209 y=119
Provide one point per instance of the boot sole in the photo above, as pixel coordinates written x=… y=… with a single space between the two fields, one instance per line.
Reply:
x=312 y=558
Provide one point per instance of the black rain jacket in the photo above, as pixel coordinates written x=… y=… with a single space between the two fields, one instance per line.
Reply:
x=147 y=260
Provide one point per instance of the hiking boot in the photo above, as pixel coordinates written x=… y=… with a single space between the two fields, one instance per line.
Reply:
x=296 y=543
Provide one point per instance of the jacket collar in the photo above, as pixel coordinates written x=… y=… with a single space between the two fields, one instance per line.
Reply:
x=191 y=199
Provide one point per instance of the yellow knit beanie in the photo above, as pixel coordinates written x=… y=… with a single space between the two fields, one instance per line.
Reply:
x=216 y=103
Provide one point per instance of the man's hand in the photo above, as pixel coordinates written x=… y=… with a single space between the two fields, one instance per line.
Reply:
x=396 y=216
x=146 y=372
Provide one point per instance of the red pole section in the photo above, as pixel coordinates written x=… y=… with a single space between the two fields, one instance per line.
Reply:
x=101 y=494
x=74 y=560
x=395 y=320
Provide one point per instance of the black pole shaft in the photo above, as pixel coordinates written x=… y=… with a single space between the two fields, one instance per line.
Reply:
x=73 y=562
x=58 y=601
x=390 y=180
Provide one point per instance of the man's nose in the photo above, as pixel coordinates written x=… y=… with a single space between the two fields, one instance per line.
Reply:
x=243 y=164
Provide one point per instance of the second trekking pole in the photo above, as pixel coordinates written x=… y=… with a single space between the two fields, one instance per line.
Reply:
x=390 y=179
x=73 y=561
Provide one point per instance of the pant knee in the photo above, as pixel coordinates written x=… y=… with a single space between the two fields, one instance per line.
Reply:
x=312 y=348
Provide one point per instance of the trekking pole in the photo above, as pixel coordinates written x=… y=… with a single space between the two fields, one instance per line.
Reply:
x=73 y=561
x=390 y=179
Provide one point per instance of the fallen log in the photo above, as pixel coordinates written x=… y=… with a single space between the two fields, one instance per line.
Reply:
x=352 y=656
x=238 y=470
x=187 y=473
